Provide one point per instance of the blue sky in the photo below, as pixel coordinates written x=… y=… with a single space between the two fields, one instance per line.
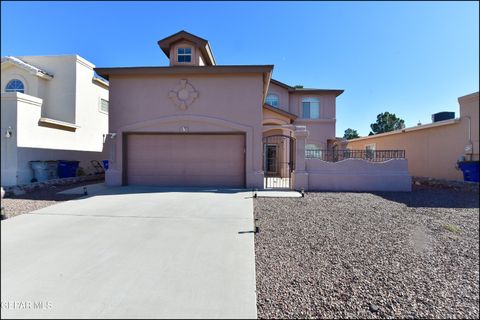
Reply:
x=409 y=58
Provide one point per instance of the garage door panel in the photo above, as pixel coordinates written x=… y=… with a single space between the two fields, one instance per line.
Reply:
x=160 y=180
x=223 y=168
x=186 y=160
x=148 y=167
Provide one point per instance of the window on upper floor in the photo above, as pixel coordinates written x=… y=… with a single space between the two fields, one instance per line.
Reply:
x=184 y=54
x=103 y=106
x=311 y=108
x=273 y=100
x=15 y=85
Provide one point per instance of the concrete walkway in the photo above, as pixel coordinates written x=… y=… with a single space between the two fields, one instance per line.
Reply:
x=132 y=252
x=101 y=188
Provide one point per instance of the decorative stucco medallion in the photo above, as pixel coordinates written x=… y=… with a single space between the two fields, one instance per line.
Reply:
x=183 y=95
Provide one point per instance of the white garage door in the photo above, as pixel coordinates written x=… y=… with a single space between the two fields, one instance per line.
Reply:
x=210 y=160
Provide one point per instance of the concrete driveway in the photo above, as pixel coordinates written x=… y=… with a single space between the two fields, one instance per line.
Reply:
x=132 y=252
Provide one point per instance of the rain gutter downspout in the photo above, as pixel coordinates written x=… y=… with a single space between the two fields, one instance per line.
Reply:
x=470 y=134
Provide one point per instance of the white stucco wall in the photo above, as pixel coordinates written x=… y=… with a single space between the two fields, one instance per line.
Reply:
x=71 y=96
x=8 y=145
x=93 y=122
x=59 y=96
x=10 y=72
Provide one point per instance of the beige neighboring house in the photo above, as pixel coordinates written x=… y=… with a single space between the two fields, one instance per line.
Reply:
x=53 y=108
x=433 y=149
x=197 y=123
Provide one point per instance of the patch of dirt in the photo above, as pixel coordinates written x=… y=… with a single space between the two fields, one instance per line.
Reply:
x=14 y=205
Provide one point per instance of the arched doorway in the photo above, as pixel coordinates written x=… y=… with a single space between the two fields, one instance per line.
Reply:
x=278 y=161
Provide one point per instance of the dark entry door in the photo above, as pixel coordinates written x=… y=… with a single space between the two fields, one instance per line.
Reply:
x=271 y=159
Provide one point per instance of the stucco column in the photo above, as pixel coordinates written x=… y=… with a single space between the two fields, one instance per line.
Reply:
x=254 y=158
x=300 y=175
x=113 y=147
x=9 y=149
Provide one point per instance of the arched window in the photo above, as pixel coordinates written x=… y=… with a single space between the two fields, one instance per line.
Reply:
x=272 y=99
x=15 y=85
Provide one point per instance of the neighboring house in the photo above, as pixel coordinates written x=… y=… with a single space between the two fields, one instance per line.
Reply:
x=53 y=108
x=433 y=149
x=196 y=123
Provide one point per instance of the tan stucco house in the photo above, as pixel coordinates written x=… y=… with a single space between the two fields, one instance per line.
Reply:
x=197 y=123
x=434 y=149
x=53 y=108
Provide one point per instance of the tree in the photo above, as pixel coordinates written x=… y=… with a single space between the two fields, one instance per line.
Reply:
x=350 y=134
x=386 y=122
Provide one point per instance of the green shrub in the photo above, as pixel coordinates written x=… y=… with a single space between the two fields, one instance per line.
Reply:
x=451 y=227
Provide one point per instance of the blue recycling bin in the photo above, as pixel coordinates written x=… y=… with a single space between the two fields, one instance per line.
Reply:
x=67 y=169
x=470 y=170
x=40 y=170
x=105 y=164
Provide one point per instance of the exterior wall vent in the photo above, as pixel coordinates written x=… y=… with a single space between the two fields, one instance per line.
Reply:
x=441 y=116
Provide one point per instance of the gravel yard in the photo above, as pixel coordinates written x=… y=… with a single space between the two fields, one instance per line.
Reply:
x=40 y=198
x=365 y=255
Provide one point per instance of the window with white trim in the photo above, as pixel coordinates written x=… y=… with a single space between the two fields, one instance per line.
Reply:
x=15 y=85
x=103 y=105
x=273 y=100
x=184 y=54
x=311 y=108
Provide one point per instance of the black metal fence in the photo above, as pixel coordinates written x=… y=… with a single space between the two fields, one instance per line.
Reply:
x=369 y=155
x=278 y=161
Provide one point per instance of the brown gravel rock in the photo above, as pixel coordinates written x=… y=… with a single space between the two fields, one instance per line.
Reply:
x=364 y=255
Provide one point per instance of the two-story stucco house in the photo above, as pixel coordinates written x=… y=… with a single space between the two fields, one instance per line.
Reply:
x=53 y=108
x=197 y=123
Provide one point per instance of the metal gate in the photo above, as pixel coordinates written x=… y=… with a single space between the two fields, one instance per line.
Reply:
x=278 y=161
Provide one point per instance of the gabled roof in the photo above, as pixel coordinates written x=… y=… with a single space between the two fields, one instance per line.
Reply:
x=26 y=66
x=291 y=89
x=284 y=113
x=201 y=43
